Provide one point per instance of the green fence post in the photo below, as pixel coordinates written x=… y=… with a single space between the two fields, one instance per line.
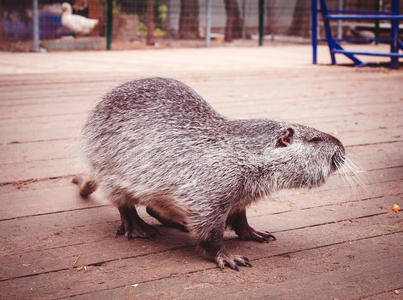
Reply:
x=261 y=21
x=109 y=16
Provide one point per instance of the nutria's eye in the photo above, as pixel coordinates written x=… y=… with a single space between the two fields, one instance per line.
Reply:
x=315 y=140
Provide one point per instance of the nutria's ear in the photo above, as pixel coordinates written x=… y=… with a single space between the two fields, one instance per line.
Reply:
x=286 y=139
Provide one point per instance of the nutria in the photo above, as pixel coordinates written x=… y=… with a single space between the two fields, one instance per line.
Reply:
x=156 y=142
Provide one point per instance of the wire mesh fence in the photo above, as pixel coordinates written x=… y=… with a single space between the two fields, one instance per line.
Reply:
x=84 y=24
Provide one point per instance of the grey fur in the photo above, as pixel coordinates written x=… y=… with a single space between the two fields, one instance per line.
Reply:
x=156 y=142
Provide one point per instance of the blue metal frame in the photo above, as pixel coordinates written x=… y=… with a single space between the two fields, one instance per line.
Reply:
x=334 y=46
x=314 y=31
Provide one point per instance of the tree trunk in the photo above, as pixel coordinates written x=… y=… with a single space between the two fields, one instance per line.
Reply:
x=189 y=19
x=301 y=24
x=270 y=27
x=233 y=25
x=150 y=23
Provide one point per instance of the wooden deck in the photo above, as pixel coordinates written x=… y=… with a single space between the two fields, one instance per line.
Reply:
x=332 y=242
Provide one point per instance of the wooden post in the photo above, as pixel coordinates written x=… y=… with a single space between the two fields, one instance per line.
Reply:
x=189 y=19
x=150 y=23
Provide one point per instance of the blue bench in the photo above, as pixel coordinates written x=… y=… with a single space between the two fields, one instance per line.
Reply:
x=333 y=43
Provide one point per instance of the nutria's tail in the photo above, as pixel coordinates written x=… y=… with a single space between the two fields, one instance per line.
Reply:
x=87 y=187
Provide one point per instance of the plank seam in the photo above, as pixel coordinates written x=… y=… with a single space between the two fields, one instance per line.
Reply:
x=380 y=293
x=259 y=215
x=56 y=212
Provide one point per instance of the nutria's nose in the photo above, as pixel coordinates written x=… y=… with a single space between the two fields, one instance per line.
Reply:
x=336 y=142
x=338 y=156
x=338 y=159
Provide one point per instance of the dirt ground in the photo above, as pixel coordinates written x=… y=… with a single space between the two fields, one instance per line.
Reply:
x=334 y=242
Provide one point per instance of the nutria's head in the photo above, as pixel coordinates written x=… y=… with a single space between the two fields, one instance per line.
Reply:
x=301 y=156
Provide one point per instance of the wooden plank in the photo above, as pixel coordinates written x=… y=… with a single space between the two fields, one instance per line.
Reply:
x=76 y=232
x=17 y=80
x=75 y=114
x=69 y=125
x=60 y=108
x=40 y=170
x=48 y=200
x=47 y=150
x=68 y=159
x=394 y=293
x=324 y=275
x=183 y=263
x=225 y=105
x=78 y=103
x=70 y=148
x=144 y=62
x=389 y=158
x=217 y=91
x=274 y=85
x=49 y=196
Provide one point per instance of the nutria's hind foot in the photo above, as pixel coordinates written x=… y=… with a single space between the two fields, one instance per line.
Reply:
x=87 y=187
x=133 y=226
x=165 y=221
x=238 y=222
x=133 y=232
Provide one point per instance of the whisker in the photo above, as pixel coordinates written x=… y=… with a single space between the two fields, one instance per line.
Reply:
x=351 y=172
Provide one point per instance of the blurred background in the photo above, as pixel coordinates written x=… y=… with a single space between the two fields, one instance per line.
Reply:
x=131 y=24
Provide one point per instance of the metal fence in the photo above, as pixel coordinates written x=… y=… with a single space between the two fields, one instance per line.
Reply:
x=128 y=24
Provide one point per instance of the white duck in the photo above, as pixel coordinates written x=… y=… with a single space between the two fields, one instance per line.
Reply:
x=76 y=23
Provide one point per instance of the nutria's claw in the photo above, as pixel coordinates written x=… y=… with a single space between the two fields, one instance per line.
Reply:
x=120 y=231
x=247 y=263
x=268 y=235
x=251 y=234
x=232 y=261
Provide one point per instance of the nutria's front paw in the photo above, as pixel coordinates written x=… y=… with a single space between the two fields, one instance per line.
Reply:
x=223 y=258
x=251 y=234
